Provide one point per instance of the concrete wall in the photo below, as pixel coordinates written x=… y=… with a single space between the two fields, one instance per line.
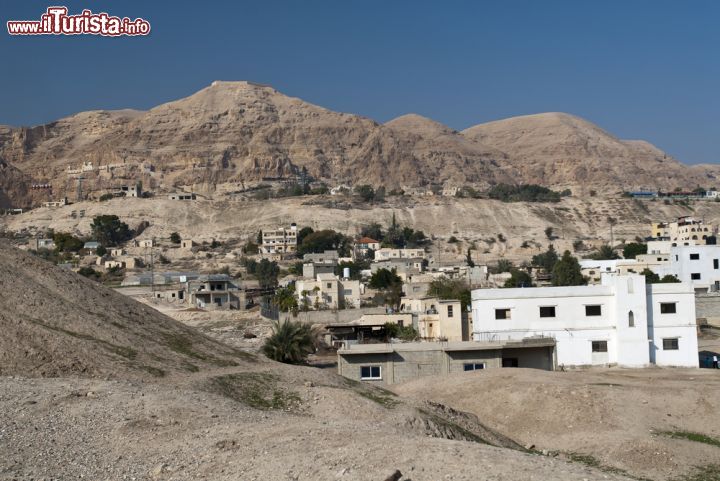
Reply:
x=329 y=317
x=407 y=365
x=707 y=306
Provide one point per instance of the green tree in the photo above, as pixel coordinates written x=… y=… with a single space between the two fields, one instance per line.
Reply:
x=652 y=278
x=404 y=333
x=384 y=278
x=633 y=249
x=175 y=238
x=374 y=231
x=290 y=342
x=266 y=273
x=65 y=242
x=324 y=240
x=365 y=192
x=549 y=233
x=101 y=250
x=89 y=272
x=303 y=233
x=285 y=299
x=108 y=230
x=518 y=278
x=546 y=260
x=445 y=288
x=567 y=271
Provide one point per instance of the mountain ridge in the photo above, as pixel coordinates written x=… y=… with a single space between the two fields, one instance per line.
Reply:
x=237 y=131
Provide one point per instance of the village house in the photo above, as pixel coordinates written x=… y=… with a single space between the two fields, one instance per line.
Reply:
x=145 y=243
x=187 y=244
x=390 y=363
x=387 y=253
x=405 y=268
x=621 y=322
x=363 y=246
x=117 y=252
x=91 y=246
x=182 y=196
x=36 y=244
x=438 y=319
x=322 y=263
x=697 y=265
x=215 y=291
x=58 y=203
x=370 y=328
x=683 y=230
x=279 y=241
x=328 y=291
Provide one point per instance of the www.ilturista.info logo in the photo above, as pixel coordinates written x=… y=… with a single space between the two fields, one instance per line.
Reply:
x=56 y=21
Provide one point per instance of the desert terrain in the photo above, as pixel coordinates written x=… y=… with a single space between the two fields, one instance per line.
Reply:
x=476 y=223
x=97 y=386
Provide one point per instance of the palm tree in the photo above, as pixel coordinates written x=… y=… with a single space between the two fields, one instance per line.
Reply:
x=290 y=342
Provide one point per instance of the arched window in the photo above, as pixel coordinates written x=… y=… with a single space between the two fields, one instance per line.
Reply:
x=631 y=319
x=694 y=237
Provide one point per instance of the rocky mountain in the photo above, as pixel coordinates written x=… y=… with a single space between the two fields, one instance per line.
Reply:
x=563 y=150
x=241 y=131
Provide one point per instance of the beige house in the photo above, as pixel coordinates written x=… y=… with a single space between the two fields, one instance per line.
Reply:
x=187 y=244
x=279 y=241
x=685 y=229
x=438 y=319
x=328 y=291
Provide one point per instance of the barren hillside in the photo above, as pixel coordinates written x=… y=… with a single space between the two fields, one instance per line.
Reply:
x=566 y=151
x=57 y=323
x=623 y=419
x=474 y=222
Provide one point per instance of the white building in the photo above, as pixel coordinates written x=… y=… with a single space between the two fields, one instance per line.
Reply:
x=328 y=291
x=621 y=322
x=387 y=253
x=698 y=265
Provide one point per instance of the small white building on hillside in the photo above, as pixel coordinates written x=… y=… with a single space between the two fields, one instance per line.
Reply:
x=622 y=322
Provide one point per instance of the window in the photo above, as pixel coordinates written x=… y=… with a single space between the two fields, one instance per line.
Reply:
x=694 y=257
x=668 y=308
x=400 y=323
x=547 y=311
x=502 y=313
x=695 y=276
x=450 y=311
x=599 y=346
x=473 y=366
x=370 y=372
x=593 y=310
x=347 y=292
x=671 y=344
x=631 y=319
x=329 y=285
x=715 y=264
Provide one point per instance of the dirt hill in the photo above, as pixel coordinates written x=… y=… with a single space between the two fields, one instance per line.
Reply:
x=633 y=420
x=238 y=131
x=57 y=323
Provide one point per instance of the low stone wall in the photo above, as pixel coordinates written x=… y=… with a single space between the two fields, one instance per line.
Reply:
x=334 y=317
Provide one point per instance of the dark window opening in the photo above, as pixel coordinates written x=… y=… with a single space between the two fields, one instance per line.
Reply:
x=671 y=344
x=599 y=346
x=593 y=310
x=547 y=311
x=668 y=308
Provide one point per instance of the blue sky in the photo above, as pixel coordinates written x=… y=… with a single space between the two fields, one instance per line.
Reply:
x=640 y=69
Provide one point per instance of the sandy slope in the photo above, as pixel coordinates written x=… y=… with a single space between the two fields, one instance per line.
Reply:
x=614 y=415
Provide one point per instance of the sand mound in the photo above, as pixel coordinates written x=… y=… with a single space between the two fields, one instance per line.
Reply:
x=57 y=323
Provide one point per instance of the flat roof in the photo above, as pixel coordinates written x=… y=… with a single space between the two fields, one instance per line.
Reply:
x=460 y=346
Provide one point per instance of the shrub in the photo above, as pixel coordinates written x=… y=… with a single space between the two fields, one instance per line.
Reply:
x=523 y=193
x=290 y=342
x=175 y=238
